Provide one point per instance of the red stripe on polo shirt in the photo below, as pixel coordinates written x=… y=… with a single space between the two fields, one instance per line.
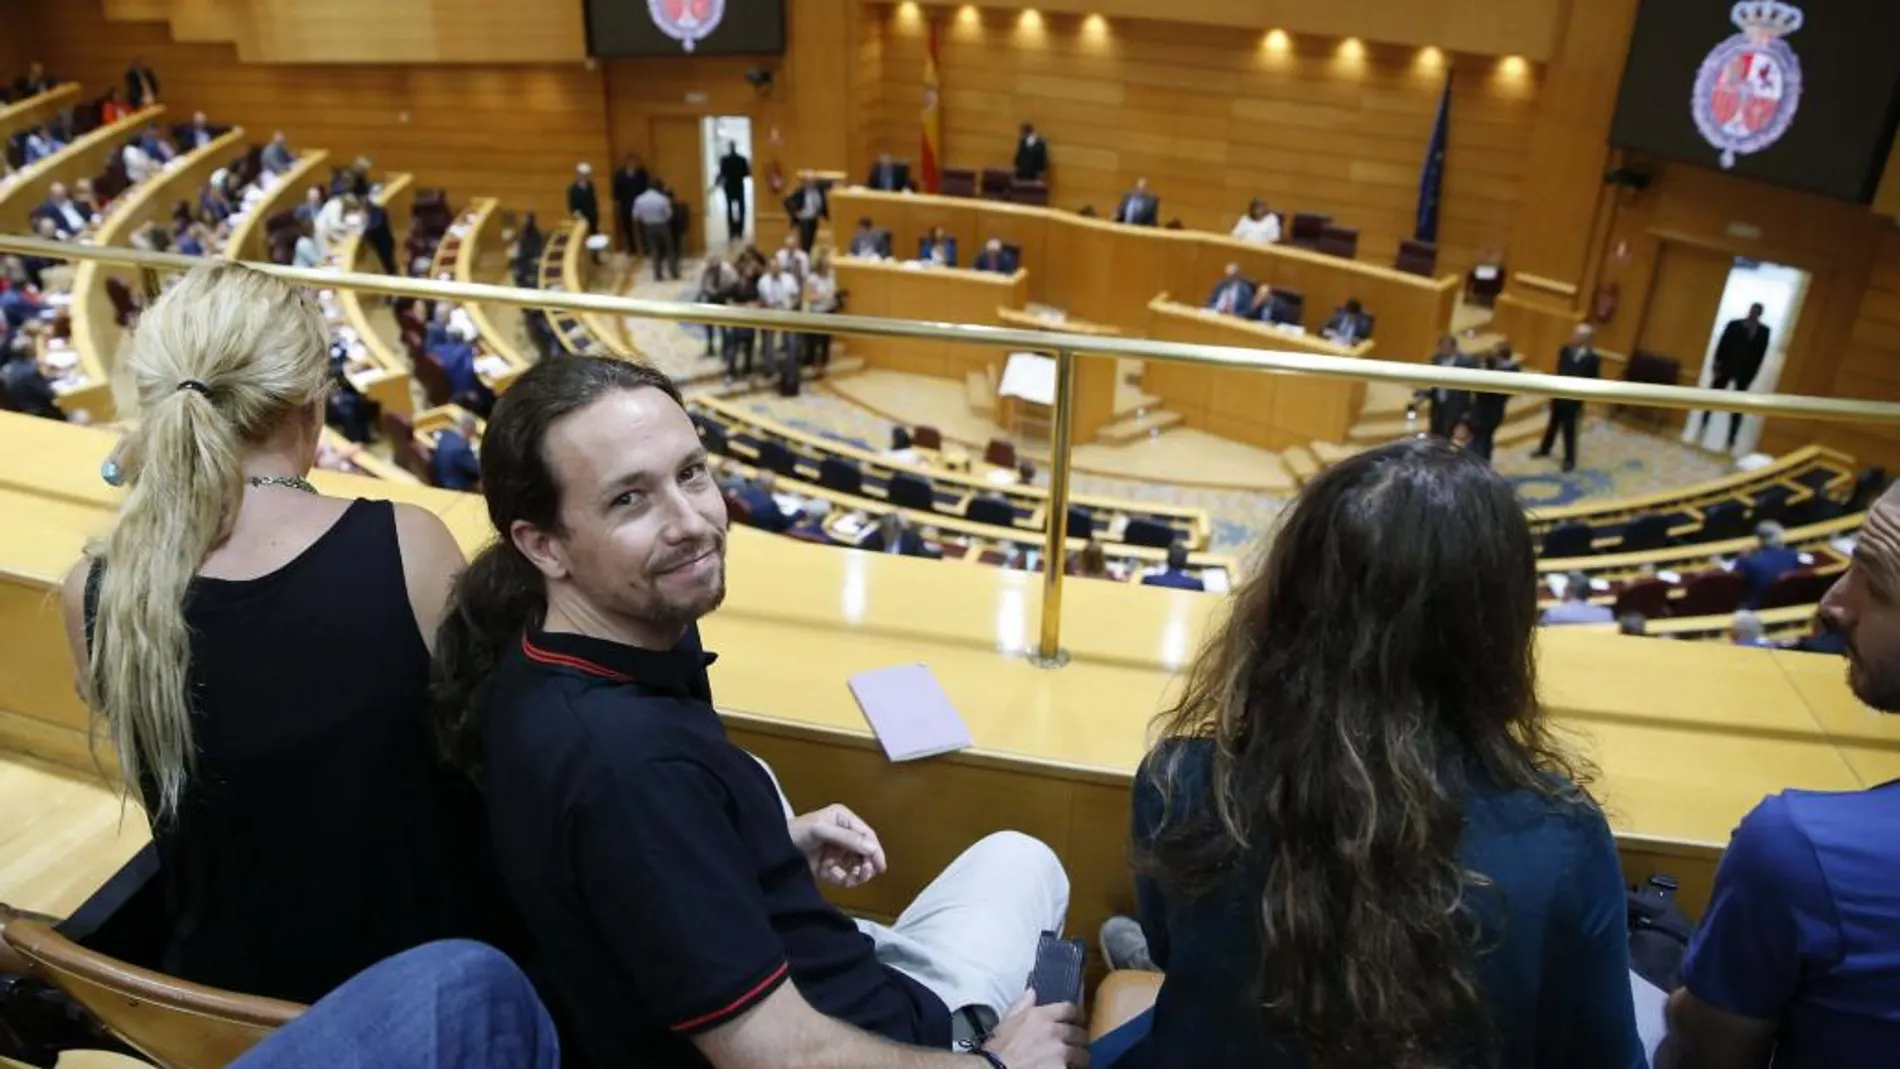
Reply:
x=536 y=653
x=743 y=1002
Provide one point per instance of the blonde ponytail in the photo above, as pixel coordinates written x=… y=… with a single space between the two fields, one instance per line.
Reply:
x=218 y=365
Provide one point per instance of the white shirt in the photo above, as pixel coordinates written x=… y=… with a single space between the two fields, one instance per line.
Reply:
x=139 y=164
x=332 y=224
x=1262 y=231
x=797 y=261
x=821 y=293
x=779 y=291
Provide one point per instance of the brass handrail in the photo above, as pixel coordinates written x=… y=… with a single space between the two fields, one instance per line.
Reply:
x=1065 y=346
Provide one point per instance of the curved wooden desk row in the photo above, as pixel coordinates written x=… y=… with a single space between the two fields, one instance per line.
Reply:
x=1268 y=410
x=1783 y=624
x=86 y=157
x=565 y=267
x=1107 y=272
x=964 y=539
x=250 y=240
x=383 y=374
x=23 y=115
x=1693 y=558
x=96 y=331
x=1808 y=469
x=1054 y=750
x=1193 y=523
x=906 y=290
x=467 y=254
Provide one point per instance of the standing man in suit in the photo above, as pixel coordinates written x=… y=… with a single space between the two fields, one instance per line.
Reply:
x=1350 y=325
x=1032 y=155
x=1738 y=358
x=1579 y=360
x=653 y=210
x=885 y=175
x=1139 y=207
x=378 y=234
x=806 y=206
x=629 y=182
x=734 y=169
x=1233 y=294
x=1449 y=405
x=583 y=201
x=141 y=84
x=1487 y=409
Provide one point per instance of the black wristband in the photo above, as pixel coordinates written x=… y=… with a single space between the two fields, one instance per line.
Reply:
x=995 y=1062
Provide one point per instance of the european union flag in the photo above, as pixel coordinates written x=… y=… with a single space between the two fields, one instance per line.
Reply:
x=1431 y=181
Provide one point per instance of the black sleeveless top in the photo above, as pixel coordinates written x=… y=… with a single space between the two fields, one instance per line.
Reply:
x=318 y=833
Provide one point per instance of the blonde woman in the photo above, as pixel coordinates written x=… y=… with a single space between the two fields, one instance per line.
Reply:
x=258 y=655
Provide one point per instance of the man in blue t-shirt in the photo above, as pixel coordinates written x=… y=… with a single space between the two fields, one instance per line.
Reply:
x=1798 y=957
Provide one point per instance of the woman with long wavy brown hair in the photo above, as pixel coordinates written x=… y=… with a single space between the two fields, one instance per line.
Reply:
x=1358 y=845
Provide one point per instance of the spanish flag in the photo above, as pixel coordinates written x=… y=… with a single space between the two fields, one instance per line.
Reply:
x=931 y=154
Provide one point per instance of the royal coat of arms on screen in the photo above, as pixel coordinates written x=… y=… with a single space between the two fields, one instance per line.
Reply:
x=1749 y=87
x=686 y=21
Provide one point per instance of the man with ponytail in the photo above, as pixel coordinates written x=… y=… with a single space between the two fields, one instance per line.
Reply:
x=676 y=905
x=257 y=655
x=1357 y=844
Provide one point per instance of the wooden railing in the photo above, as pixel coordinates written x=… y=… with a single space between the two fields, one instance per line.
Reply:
x=22 y=115
x=388 y=382
x=86 y=157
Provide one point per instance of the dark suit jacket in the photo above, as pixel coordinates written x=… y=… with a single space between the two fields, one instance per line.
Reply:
x=136 y=79
x=1176 y=580
x=1579 y=363
x=1738 y=355
x=1032 y=159
x=1274 y=310
x=583 y=201
x=910 y=544
x=1002 y=262
x=1762 y=568
x=1147 y=213
x=733 y=171
x=454 y=466
x=1359 y=326
x=1243 y=295
x=1487 y=409
x=628 y=185
x=764 y=511
x=949 y=250
x=28 y=390
x=889 y=179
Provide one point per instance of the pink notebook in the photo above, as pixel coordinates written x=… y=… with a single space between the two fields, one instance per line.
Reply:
x=909 y=712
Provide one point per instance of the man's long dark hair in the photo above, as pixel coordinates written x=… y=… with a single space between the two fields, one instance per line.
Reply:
x=501 y=592
x=1381 y=657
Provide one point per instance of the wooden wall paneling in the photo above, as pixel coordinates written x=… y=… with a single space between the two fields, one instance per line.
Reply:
x=359 y=31
x=1211 y=120
x=513 y=131
x=1567 y=144
x=1684 y=294
x=819 y=39
x=867 y=90
x=676 y=154
x=250 y=241
x=1526 y=28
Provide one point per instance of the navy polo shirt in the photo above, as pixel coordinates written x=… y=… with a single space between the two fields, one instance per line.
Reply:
x=651 y=858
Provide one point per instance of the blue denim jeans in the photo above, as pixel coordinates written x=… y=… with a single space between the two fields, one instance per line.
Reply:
x=1104 y=1051
x=448 y=1005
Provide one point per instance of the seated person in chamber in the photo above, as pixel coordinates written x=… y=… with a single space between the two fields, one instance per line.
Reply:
x=27 y=389
x=895 y=535
x=454 y=465
x=1746 y=628
x=1771 y=559
x=888 y=175
x=1090 y=562
x=1795 y=960
x=810 y=524
x=674 y=896
x=1356 y=831
x=760 y=495
x=1259 y=226
x=1175 y=574
x=867 y=241
x=1270 y=307
x=189 y=617
x=937 y=248
x=901 y=449
x=1576 y=607
x=1350 y=325
x=993 y=257
x=1139 y=207
x=1233 y=294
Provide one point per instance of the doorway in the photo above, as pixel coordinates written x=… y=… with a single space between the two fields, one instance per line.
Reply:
x=1781 y=291
x=716 y=132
